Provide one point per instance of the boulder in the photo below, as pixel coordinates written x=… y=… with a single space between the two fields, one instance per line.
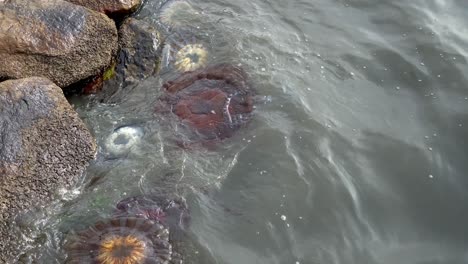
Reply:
x=44 y=147
x=54 y=39
x=139 y=49
x=110 y=7
x=138 y=58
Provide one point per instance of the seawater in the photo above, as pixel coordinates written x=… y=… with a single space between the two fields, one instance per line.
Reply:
x=358 y=152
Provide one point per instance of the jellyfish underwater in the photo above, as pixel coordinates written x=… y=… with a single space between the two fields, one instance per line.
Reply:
x=190 y=57
x=183 y=52
x=213 y=102
x=121 y=240
x=172 y=213
x=176 y=13
x=123 y=139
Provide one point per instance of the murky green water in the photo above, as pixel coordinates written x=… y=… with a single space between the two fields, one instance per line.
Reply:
x=357 y=152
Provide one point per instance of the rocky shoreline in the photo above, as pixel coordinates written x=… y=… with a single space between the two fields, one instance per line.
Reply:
x=53 y=48
x=46 y=47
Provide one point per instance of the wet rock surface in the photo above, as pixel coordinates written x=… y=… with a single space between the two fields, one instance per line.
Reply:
x=54 y=39
x=138 y=58
x=139 y=44
x=44 y=146
x=110 y=7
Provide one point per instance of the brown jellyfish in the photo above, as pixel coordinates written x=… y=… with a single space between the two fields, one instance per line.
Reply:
x=212 y=103
x=121 y=240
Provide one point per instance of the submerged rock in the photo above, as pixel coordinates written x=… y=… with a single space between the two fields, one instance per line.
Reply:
x=44 y=146
x=54 y=39
x=110 y=7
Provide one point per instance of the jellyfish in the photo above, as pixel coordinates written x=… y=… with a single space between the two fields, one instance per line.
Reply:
x=176 y=13
x=123 y=139
x=212 y=102
x=184 y=52
x=191 y=57
x=172 y=213
x=120 y=240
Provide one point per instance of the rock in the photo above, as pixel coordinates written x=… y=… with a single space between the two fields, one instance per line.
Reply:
x=110 y=7
x=54 y=39
x=44 y=146
x=138 y=57
x=139 y=45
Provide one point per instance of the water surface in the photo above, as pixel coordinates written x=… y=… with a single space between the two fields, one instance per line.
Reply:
x=357 y=152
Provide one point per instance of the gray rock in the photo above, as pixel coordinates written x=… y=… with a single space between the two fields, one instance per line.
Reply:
x=110 y=7
x=54 y=39
x=138 y=58
x=44 y=146
x=139 y=49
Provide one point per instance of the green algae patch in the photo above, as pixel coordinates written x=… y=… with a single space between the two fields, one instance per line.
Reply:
x=109 y=73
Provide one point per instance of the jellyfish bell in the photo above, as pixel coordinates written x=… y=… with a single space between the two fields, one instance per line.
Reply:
x=127 y=248
x=176 y=13
x=191 y=57
x=123 y=139
x=184 y=52
x=212 y=102
x=127 y=240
